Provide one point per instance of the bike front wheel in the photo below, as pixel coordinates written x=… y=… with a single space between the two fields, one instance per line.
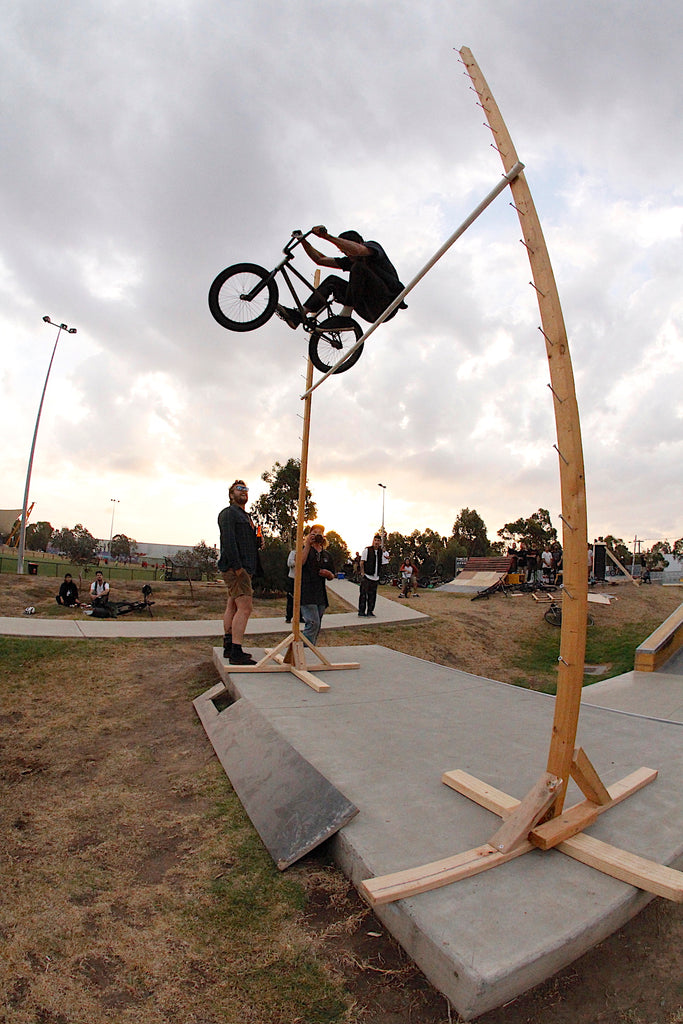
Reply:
x=243 y=297
x=331 y=341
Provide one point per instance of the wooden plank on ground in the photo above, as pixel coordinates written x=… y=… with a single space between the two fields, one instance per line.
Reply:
x=627 y=867
x=587 y=779
x=401 y=884
x=480 y=792
x=517 y=826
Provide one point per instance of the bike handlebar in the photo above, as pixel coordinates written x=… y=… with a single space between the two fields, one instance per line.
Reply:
x=297 y=238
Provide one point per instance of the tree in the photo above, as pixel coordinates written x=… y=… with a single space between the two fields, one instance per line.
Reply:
x=447 y=561
x=338 y=550
x=273 y=558
x=278 y=508
x=677 y=548
x=617 y=547
x=469 y=529
x=537 y=531
x=654 y=558
x=38 y=536
x=201 y=558
x=78 y=544
x=122 y=548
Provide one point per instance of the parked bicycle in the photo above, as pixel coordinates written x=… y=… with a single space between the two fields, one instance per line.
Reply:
x=553 y=615
x=245 y=296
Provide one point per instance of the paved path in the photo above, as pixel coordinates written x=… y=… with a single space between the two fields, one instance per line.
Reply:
x=86 y=627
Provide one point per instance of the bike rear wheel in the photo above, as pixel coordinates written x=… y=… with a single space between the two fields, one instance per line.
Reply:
x=228 y=300
x=331 y=341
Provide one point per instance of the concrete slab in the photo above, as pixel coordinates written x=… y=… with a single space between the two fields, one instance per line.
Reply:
x=654 y=694
x=384 y=734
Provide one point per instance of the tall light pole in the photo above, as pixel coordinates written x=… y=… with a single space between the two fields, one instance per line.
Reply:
x=111 y=532
x=384 y=488
x=22 y=535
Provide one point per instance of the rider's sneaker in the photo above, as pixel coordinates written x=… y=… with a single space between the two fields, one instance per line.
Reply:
x=292 y=317
x=338 y=323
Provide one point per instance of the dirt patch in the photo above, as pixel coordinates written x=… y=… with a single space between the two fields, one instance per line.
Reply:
x=171 y=600
x=123 y=844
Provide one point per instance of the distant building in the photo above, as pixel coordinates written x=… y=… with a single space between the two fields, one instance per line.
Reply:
x=147 y=552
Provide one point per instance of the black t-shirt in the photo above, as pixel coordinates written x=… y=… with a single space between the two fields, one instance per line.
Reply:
x=373 y=282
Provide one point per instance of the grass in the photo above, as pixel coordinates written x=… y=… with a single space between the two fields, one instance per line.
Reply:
x=615 y=648
x=136 y=889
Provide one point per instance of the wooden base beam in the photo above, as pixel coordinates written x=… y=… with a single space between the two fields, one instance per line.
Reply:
x=559 y=833
x=290 y=656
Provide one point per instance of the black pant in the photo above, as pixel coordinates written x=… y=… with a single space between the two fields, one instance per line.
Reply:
x=368 y=596
x=332 y=287
x=289 y=612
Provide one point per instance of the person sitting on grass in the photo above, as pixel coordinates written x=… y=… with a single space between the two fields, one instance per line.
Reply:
x=68 y=593
x=99 y=591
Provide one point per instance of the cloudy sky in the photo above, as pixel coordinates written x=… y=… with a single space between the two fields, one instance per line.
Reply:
x=147 y=146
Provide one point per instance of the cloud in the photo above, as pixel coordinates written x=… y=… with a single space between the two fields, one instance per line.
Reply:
x=146 y=149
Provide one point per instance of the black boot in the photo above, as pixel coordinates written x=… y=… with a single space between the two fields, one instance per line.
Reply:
x=227 y=645
x=240 y=657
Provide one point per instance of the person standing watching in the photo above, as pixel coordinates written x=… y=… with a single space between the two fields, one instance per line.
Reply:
x=315 y=569
x=238 y=561
x=291 y=574
x=370 y=567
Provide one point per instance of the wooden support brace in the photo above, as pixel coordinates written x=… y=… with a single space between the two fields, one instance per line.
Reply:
x=307 y=677
x=531 y=809
x=587 y=779
x=637 y=871
x=572 y=821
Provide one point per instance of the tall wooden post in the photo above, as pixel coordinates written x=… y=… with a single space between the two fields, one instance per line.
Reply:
x=569 y=448
x=303 y=475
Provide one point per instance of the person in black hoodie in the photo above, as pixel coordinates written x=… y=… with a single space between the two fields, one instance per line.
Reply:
x=68 y=593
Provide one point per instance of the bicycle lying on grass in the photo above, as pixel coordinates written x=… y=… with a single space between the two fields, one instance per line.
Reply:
x=245 y=296
x=553 y=615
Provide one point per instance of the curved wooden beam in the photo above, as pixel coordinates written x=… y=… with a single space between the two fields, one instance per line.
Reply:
x=568 y=428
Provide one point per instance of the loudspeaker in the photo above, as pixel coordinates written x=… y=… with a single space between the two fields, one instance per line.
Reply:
x=599 y=561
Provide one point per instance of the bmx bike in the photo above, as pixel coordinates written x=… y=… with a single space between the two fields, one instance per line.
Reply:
x=554 y=615
x=245 y=296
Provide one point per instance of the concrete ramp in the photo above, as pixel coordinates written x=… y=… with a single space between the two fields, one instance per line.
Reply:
x=384 y=734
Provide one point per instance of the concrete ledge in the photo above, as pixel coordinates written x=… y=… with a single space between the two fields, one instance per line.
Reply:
x=662 y=644
x=384 y=734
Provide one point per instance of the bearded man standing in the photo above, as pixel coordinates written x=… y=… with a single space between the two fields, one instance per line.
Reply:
x=238 y=561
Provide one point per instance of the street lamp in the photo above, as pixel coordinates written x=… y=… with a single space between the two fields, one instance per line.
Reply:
x=111 y=532
x=22 y=535
x=384 y=488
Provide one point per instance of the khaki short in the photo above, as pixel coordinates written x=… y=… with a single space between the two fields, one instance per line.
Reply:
x=238 y=586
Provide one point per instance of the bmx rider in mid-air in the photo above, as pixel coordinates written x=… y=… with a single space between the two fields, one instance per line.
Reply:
x=373 y=281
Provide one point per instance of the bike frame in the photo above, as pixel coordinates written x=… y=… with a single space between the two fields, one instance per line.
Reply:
x=296 y=239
